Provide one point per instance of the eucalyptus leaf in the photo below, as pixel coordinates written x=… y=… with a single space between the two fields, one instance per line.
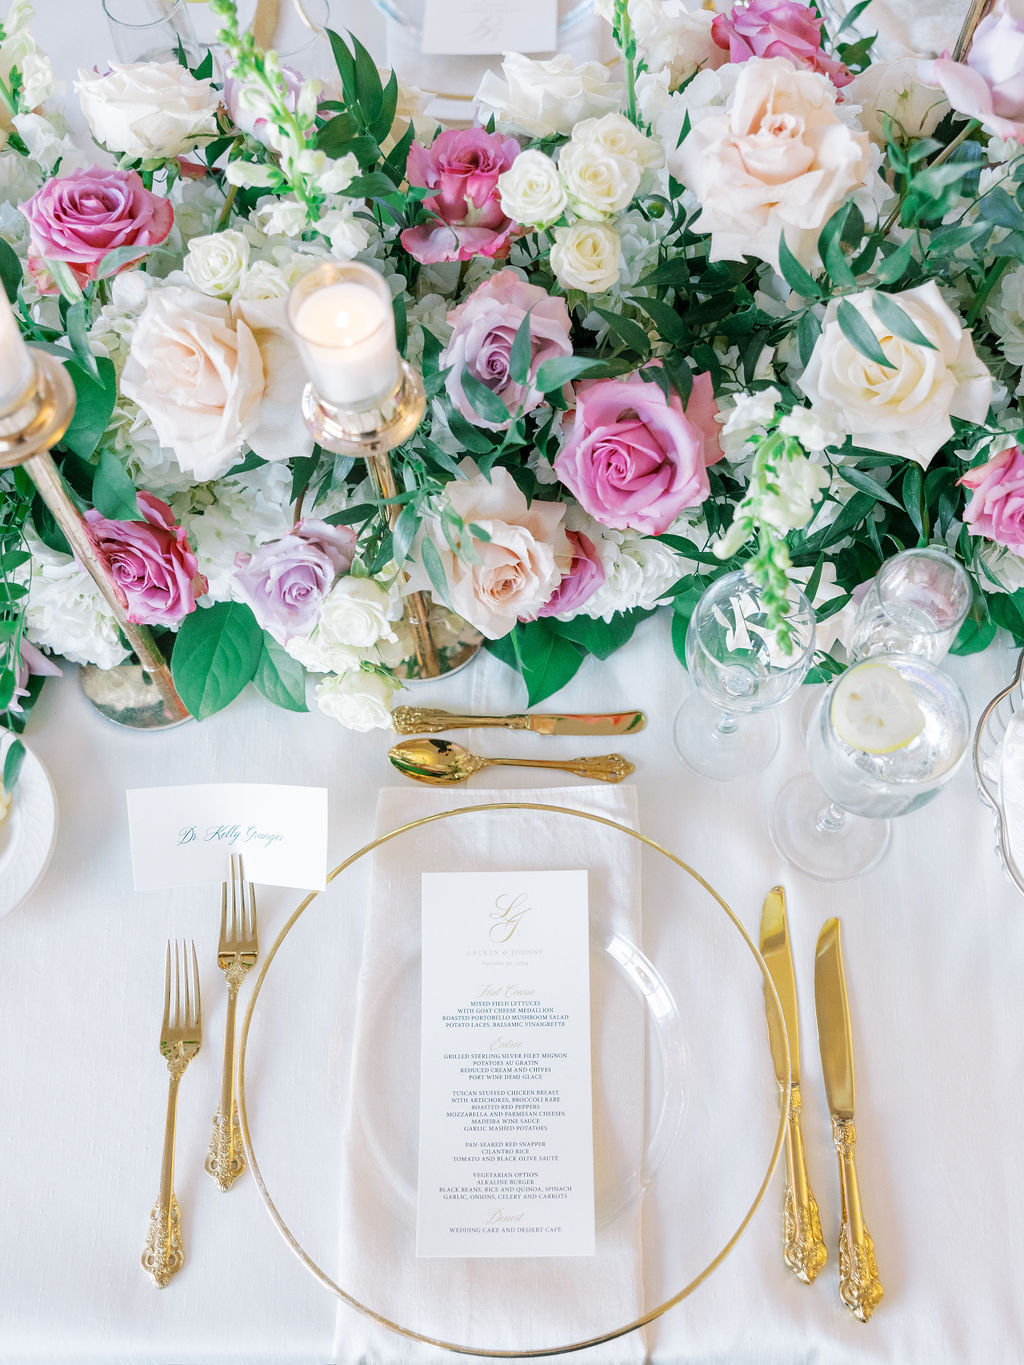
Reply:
x=562 y=369
x=484 y=400
x=858 y=333
x=13 y=760
x=891 y=315
x=521 y=355
x=10 y=270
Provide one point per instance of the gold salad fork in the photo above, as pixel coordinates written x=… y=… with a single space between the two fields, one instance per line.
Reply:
x=236 y=953
x=180 y=1037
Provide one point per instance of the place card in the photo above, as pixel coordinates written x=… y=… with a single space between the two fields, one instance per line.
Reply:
x=182 y=836
x=479 y=28
x=506 y=1160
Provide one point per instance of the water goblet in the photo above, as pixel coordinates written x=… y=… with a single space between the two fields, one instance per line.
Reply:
x=915 y=604
x=834 y=824
x=151 y=30
x=742 y=666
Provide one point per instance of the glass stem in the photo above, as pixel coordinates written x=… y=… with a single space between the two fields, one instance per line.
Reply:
x=831 y=819
x=726 y=724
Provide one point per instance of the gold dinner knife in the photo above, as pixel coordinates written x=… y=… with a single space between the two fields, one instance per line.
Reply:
x=859 y=1286
x=803 y=1247
x=425 y=720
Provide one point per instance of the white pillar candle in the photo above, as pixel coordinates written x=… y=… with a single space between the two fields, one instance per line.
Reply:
x=15 y=358
x=345 y=326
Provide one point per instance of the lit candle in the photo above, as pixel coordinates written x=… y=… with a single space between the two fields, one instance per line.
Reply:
x=16 y=365
x=345 y=326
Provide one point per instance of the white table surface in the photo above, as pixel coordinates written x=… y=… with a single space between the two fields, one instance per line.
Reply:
x=934 y=946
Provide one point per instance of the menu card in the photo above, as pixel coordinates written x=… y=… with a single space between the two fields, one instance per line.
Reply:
x=506 y=1162
x=462 y=28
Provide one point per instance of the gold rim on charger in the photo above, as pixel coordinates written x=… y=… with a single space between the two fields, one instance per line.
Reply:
x=363 y=1308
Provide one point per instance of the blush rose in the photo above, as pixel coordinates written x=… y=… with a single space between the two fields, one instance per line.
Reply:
x=636 y=459
x=585 y=576
x=462 y=167
x=151 y=561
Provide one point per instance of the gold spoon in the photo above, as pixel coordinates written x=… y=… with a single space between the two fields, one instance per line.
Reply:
x=440 y=762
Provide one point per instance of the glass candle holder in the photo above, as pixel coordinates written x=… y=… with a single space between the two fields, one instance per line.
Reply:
x=345 y=328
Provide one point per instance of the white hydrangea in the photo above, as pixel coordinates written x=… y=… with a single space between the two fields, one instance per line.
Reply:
x=66 y=611
x=639 y=571
x=235 y=515
x=1006 y=315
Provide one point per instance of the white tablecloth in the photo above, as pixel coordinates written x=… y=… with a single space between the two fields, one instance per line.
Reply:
x=934 y=945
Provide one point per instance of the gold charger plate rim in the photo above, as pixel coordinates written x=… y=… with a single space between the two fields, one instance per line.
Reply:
x=320 y=1274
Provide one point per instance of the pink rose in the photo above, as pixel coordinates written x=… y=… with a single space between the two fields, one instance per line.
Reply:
x=153 y=565
x=777 y=28
x=78 y=218
x=635 y=459
x=30 y=662
x=286 y=580
x=585 y=576
x=462 y=168
x=996 y=509
x=990 y=85
x=485 y=328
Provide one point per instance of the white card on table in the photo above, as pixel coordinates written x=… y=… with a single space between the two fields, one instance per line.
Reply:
x=479 y=28
x=183 y=836
x=506 y=1164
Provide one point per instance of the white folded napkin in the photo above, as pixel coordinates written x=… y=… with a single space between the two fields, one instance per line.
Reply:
x=540 y=1302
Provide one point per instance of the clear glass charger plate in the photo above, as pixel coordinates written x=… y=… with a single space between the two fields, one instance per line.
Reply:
x=669 y=1206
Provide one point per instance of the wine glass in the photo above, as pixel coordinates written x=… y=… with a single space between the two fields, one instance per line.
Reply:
x=742 y=666
x=915 y=604
x=151 y=30
x=835 y=824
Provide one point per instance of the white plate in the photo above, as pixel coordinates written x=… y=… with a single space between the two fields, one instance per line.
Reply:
x=29 y=833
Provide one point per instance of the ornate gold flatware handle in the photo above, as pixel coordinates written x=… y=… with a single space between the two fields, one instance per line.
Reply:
x=859 y=1286
x=164 y=1254
x=803 y=1247
x=426 y=720
x=225 y=1160
x=601 y=767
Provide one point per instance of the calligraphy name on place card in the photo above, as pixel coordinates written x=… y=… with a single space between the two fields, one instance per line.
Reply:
x=506 y=1160
x=181 y=836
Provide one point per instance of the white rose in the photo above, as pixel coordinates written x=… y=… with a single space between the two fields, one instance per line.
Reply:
x=318 y=655
x=599 y=183
x=541 y=99
x=263 y=280
x=894 y=88
x=779 y=160
x=215 y=263
x=675 y=39
x=285 y=217
x=903 y=410
x=198 y=376
x=531 y=190
x=586 y=256
x=614 y=133
x=356 y=612
x=148 y=111
x=360 y=700
x=279 y=431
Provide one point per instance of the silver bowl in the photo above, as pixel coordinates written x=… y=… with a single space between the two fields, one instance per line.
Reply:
x=988 y=755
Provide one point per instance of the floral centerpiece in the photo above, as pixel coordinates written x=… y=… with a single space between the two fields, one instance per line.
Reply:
x=751 y=299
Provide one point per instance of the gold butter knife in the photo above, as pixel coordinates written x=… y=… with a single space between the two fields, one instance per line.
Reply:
x=859 y=1286
x=424 y=720
x=803 y=1247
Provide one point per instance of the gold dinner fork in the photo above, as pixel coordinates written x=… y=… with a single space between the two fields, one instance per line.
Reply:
x=236 y=953
x=180 y=1037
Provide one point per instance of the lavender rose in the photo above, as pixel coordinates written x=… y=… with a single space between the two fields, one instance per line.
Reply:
x=485 y=327
x=285 y=581
x=152 y=563
x=585 y=576
x=635 y=459
x=80 y=217
x=989 y=84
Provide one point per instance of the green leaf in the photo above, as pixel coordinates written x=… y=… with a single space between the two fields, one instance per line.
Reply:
x=997 y=207
x=435 y=569
x=891 y=315
x=369 y=91
x=406 y=526
x=627 y=331
x=912 y=489
x=859 y=334
x=808 y=330
x=376 y=185
x=280 y=678
x=345 y=63
x=547 y=660
x=893 y=267
x=794 y=274
x=113 y=494
x=334 y=136
x=484 y=400
x=561 y=369
x=831 y=251
x=679 y=627
x=217 y=651
x=521 y=355
x=866 y=484
x=401 y=323
x=850 y=18
x=13 y=760
x=117 y=259
x=10 y=270
x=668 y=322
x=94 y=404
x=77 y=325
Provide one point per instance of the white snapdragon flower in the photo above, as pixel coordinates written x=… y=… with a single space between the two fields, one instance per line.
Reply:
x=796 y=484
x=360 y=700
x=531 y=190
x=750 y=412
x=347 y=234
x=586 y=256
x=330 y=175
x=811 y=430
x=216 y=262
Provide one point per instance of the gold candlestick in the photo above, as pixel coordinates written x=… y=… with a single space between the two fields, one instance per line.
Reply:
x=371 y=433
x=141 y=697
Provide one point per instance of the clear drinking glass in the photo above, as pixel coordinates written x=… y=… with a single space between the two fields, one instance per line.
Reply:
x=741 y=667
x=151 y=30
x=835 y=824
x=916 y=604
x=300 y=36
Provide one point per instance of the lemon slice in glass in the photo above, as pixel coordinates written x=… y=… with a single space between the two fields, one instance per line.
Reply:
x=874 y=709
